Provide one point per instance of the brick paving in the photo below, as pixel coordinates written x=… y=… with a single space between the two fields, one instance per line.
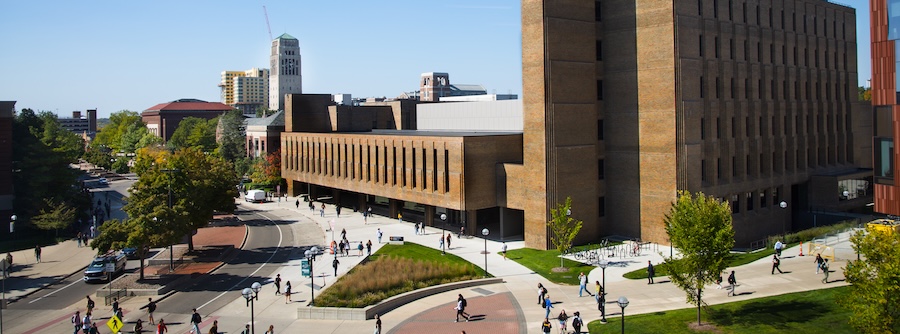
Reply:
x=492 y=314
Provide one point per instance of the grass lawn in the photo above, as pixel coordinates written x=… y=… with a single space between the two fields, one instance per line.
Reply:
x=802 y=312
x=542 y=262
x=737 y=259
x=393 y=270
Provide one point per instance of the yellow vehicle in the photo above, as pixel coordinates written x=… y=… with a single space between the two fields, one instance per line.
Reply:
x=885 y=225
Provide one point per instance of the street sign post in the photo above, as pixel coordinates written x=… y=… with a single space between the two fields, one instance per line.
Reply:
x=304 y=268
x=114 y=324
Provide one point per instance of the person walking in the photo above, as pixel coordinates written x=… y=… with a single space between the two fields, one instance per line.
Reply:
x=359 y=247
x=733 y=282
x=503 y=250
x=825 y=270
x=416 y=227
x=441 y=242
x=76 y=320
x=120 y=314
x=546 y=326
x=778 y=247
x=322 y=210
x=563 y=319
x=460 y=309
x=312 y=206
x=271 y=330
x=462 y=230
x=246 y=329
x=215 y=328
x=297 y=204
x=541 y=293
x=775 y=263
x=547 y=305
x=379 y=234
x=86 y=323
x=448 y=240
x=369 y=247
x=277 y=284
x=577 y=322
x=650 y=272
x=37 y=253
x=93 y=329
x=377 y=324
x=465 y=304
x=818 y=262
x=335 y=264
x=287 y=291
x=582 y=284
x=151 y=307
x=161 y=327
x=115 y=305
x=78 y=239
x=195 y=322
x=139 y=327
x=399 y=217
x=90 y=305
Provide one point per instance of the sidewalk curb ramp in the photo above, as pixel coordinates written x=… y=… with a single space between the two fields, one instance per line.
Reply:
x=346 y=313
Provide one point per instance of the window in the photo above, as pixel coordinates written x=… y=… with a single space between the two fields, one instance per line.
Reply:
x=717 y=47
x=600 y=129
x=599 y=90
x=700 y=7
x=744 y=11
x=702 y=128
x=749 y=197
x=601 y=206
x=600 y=172
x=716 y=8
x=757 y=15
x=733 y=166
x=731 y=48
x=719 y=173
x=599 y=47
x=597 y=11
x=746 y=50
x=718 y=127
x=732 y=88
x=718 y=88
x=762 y=199
x=731 y=10
x=735 y=204
x=703 y=170
x=701 y=46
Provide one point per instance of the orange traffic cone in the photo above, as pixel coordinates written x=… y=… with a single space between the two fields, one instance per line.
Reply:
x=801 y=248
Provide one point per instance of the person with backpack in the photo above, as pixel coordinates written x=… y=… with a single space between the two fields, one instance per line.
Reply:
x=151 y=307
x=90 y=305
x=733 y=282
x=86 y=323
x=775 y=263
x=818 y=262
x=76 y=320
x=460 y=309
x=825 y=270
x=195 y=322
x=546 y=326
x=577 y=322
x=541 y=293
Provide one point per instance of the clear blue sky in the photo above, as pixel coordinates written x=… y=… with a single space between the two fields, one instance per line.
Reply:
x=113 y=55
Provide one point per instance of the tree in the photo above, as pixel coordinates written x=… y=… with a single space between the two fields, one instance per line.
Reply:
x=231 y=143
x=119 y=124
x=128 y=142
x=54 y=216
x=98 y=156
x=700 y=228
x=865 y=94
x=264 y=112
x=563 y=228
x=194 y=132
x=874 y=296
x=268 y=170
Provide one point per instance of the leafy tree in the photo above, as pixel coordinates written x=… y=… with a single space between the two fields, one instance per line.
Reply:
x=264 y=112
x=231 y=143
x=119 y=124
x=128 y=142
x=149 y=140
x=874 y=296
x=865 y=94
x=120 y=165
x=98 y=156
x=700 y=228
x=194 y=132
x=54 y=216
x=563 y=228
x=268 y=170
x=114 y=234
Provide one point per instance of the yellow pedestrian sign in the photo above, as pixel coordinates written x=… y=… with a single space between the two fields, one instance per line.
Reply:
x=115 y=324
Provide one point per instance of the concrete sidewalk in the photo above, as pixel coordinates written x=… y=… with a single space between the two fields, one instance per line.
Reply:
x=57 y=262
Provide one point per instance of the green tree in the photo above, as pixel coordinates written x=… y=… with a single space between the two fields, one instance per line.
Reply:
x=874 y=295
x=119 y=124
x=54 y=216
x=563 y=228
x=98 y=156
x=194 y=132
x=865 y=94
x=267 y=170
x=149 y=140
x=700 y=228
x=231 y=143
x=128 y=142
x=264 y=112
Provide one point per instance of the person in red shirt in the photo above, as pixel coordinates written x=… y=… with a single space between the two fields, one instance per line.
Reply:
x=161 y=327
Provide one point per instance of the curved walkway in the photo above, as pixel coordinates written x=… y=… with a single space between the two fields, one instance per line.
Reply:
x=491 y=314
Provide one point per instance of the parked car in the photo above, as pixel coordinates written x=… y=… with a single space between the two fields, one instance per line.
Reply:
x=255 y=196
x=105 y=267
x=103 y=180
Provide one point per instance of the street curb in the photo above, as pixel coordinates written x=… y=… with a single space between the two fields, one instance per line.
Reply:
x=11 y=301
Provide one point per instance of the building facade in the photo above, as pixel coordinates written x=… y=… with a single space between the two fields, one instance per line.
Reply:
x=162 y=119
x=435 y=85
x=285 y=76
x=80 y=125
x=885 y=21
x=247 y=90
x=264 y=135
x=7 y=195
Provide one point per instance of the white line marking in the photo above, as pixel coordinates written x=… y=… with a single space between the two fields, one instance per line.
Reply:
x=231 y=289
x=55 y=291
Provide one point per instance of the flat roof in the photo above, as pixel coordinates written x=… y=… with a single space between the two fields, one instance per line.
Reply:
x=435 y=133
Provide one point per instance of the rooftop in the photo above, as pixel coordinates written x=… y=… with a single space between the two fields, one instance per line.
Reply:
x=418 y=133
x=190 y=105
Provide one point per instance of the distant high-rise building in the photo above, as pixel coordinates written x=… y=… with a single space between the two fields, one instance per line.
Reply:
x=79 y=124
x=285 y=77
x=246 y=90
x=435 y=85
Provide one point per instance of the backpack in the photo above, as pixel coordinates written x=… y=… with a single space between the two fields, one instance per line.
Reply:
x=576 y=322
x=464 y=303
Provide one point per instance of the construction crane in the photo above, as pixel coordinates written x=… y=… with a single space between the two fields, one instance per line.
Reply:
x=267 y=22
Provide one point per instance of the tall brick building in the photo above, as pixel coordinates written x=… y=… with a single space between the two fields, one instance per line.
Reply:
x=885 y=23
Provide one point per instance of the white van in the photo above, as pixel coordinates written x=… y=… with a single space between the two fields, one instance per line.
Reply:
x=256 y=195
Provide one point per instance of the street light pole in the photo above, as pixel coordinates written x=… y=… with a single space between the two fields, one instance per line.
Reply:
x=485 y=233
x=310 y=257
x=602 y=293
x=623 y=303
x=171 y=256
x=443 y=230
x=783 y=205
x=251 y=294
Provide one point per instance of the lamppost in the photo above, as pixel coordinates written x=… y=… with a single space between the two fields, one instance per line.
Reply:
x=485 y=233
x=601 y=295
x=310 y=257
x=170 y=171
x=443 y=230
x=623 y=303
x=12 y=224
x=251 y=294
x=783 y=205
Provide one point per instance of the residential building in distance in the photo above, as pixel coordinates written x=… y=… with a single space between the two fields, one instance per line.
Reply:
x=263 y=134
x=81 y=124
x=162 y=119
x=285 y=76
x=247 y=90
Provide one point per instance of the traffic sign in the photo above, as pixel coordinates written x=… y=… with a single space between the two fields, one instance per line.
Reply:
x=304 y=267
x=115 y=324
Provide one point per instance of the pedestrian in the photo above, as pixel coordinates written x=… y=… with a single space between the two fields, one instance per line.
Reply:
x=719 y=282
x=545 y=327
x=337 y=210
x=215 y=328
x=422 y=228
x=577 y=322
x=93 y=329
x=359 y=247
x=547 y=305
x=271 y=330
x=825 y=270
x=563 y=319
x=465 y=304
x=775 y=263
x=139 y=327
x=503 y=250
x=312 y=206
x=441 y=242
x=90 y=305
x=297 y=203
x=335 y=264
x=195 y=322
x=86 y=323
x=462 y=230
x=650 y=272
x=416 y=226
x=369 y=247
x=37 y=253
x=400 y=217
x=161 y=327
x=151 y=307
x=448 y=240
x=582 y=284
x=93 y=231
x=365 y=217
x=322 y=210
x=818 y=262
x=9 y=261
x=369 y=210
x=541 y=293
x=460 y=309
x=778 y=247
x=379 y=233
x=377 y=324
x=278 y=284
x=78 y=238
x=246 y=329
x=599 y=289
x=287 y=291
x=115 y=304
x=120 y=314
x=344 y=233
x=733 y=282
x=76 y=320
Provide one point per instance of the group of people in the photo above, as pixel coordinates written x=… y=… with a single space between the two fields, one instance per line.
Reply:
x=563 y=317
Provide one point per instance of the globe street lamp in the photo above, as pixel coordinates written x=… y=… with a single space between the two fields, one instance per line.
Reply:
x=601 y=295
x=310 y=257
x=783 y=205
x=251 y=294
x=444 y=229
x=12 y=224
x=623 y=302
x=485 y=233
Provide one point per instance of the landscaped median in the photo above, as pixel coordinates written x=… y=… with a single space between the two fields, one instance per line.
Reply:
x=543 y=262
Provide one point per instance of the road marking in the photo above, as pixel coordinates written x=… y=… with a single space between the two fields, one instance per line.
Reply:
x=55 y=291
x=231 y=289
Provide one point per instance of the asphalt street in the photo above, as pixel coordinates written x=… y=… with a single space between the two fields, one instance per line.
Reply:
x=71 y=290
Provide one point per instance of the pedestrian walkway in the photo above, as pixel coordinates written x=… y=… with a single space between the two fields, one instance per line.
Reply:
x=57 y=262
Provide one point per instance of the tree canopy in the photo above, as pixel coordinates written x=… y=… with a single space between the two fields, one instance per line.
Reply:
x=563 y=228
x=699 y=226
x=195 y=132
x=874 y=295
x=267 y=171
x=231 y=143
x=119 y=134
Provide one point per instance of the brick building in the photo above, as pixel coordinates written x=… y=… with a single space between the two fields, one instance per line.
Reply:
x=162 y=119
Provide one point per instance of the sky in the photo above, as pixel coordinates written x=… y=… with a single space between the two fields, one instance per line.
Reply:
x=62 y=56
